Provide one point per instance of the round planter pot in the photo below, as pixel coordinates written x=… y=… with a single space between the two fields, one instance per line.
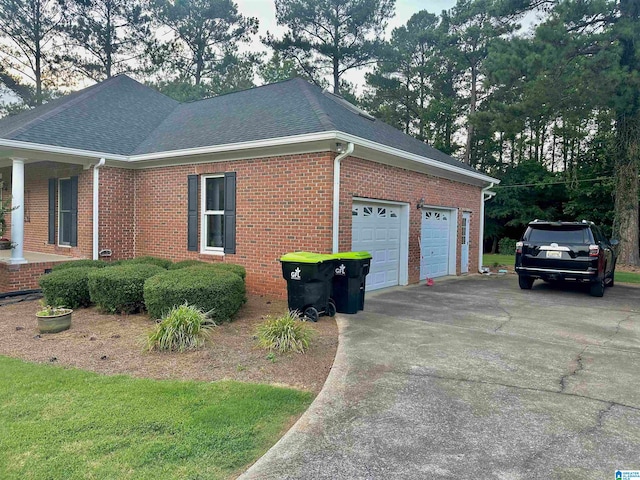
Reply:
x=4 y=245
x=54 y=323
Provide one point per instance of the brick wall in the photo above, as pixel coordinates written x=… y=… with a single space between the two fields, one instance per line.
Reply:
x=283 y=205
x=361 y=178
x=22 y=277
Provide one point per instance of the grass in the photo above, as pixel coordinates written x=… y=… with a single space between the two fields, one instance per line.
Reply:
x=489 y=260
x=72 y=424
x=509 y=260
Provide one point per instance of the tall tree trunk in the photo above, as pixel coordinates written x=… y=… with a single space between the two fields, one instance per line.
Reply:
x=472 y=110
x=626 y=204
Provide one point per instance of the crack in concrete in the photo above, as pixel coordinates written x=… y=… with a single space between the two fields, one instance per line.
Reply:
x=509 y=318
x=618 y=326
x=515 y=387
x=578 y=369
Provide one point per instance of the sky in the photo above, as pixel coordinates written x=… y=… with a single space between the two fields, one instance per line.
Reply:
x=265 y=11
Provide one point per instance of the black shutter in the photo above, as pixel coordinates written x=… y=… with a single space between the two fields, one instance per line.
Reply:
x=74 y=212
x=192 y=213
x=52 y=211
x=230 y=212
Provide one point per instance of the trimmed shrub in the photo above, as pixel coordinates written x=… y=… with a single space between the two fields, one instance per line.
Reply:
x=188 y=263
x=67 y=287
x=218 y=292
x=184 y=328
x=227 y=267
x=80 y=264
x=507 y=246
x=283 y=334
x=119 y=289
x=160 y=262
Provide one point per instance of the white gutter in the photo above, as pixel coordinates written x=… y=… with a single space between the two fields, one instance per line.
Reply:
x=485 y=195
x=40 y=147
x=336 y=194
x=271 y=142
x=96 y=209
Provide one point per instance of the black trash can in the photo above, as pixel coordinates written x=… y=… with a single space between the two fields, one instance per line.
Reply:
x=349 y=280
x=308 y=277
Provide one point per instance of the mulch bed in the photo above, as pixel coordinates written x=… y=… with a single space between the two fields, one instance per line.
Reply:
x=112 y=345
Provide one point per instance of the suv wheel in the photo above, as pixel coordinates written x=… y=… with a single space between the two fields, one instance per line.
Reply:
x=597 y=288
x=525 y=282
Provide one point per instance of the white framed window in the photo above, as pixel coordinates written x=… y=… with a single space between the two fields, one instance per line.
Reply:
x=212 y=221
x=64 y=212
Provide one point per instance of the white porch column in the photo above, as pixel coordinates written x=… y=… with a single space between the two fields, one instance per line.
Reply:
x=17 y=215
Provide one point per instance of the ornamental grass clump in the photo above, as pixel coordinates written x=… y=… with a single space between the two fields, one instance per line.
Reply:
x=185 y=327
x=287 y=333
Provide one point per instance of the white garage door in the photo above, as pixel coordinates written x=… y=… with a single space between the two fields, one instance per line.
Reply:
x=376 y=229
x=434 y=243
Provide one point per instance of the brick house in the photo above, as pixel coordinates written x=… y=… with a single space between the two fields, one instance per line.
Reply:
x=119 y=170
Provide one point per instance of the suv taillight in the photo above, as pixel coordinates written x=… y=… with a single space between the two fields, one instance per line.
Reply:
x=594 y=250
x=519 y=247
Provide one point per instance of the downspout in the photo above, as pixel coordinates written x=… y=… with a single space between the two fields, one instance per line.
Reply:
x=486 y=195
x=336 y=194
x=96 y=210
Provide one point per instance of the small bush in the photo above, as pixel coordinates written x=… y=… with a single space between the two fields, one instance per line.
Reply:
x=68 y=288
x=188 y=263
x=284 y=334
x=228 y=267
x=507 y=246
x=184 y=328
x=160 y=262
x=218 y=292
x=80 y=263
x=119 y=289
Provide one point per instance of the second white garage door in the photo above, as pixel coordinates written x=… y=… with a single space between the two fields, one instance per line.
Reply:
x=434 y=243
x=376 y=229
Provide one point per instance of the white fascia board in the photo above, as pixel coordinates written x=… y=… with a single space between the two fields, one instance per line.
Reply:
x=40 y=147
x=230 y=147
x=415 y=158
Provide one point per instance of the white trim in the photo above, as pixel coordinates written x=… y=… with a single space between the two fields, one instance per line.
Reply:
x=254 y=144
x=483 y=198
x=59 y=150
x=203 y=216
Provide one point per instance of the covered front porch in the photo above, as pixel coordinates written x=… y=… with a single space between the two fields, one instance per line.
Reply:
x=24 y=276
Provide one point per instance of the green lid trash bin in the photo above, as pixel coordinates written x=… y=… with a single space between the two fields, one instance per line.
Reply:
x=349 y=281
x=308 y=277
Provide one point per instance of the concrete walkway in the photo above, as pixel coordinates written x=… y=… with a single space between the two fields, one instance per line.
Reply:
x=474 y=378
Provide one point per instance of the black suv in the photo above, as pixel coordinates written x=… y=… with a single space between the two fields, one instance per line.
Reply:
x=557 y=251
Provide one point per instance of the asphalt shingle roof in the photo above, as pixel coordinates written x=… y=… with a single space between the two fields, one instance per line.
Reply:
x=122 y=116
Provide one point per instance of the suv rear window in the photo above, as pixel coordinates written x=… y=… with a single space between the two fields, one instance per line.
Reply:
x=559 y=235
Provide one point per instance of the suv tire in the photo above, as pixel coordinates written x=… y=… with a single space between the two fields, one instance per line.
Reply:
x=525 y=282
x=597 y=288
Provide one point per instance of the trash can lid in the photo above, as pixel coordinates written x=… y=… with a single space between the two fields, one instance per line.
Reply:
x=351 y=256
x=305 y=257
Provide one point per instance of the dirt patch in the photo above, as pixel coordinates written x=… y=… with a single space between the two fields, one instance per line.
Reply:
x=112 y=344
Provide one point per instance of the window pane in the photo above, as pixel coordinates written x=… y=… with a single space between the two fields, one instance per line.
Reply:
x=215 y=194
x=65 y=195
x=65 y=228
x=215 y=233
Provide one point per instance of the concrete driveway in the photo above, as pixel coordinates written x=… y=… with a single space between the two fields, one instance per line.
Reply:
x=474 y=378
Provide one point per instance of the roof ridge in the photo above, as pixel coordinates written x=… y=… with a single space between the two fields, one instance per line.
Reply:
x=323 y=116
x=81 y=94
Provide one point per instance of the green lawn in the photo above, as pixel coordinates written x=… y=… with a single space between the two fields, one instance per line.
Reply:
x=70 y=424
x=490 y=260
